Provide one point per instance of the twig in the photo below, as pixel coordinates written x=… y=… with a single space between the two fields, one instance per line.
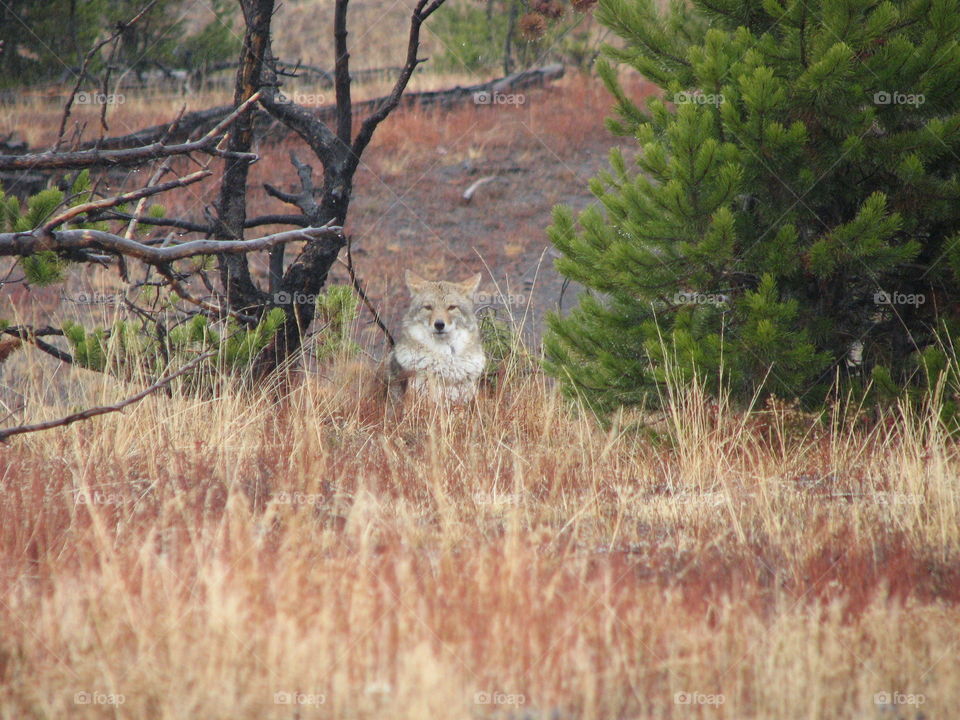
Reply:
x=421 y=12
x=178 y=223
x=215 y=310
x=159 y=173
x=363 y=295
x=182 y=224
x=469 y=192
x=306 y=198
x=103 y=409
x=83 y=70
x=32 y=336
x=137 y=194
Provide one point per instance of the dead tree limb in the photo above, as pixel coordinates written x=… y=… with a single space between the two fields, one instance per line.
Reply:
x=341 y=73
x=358 y=288
x=103 y=409
x=201 y=120
x=95 y=158
x=28 y=243
x=161 y=170
x=217 y=311
x=306 y=200
x=139 y=193
x=33 y=335
x=189 y=225
x=421 y=12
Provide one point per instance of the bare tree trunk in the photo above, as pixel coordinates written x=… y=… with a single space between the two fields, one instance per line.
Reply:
x=490 y=36
x=232 y=205
x=508 y=40
x=340 y=154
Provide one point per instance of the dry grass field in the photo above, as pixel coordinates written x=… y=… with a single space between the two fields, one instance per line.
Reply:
x=297 y=554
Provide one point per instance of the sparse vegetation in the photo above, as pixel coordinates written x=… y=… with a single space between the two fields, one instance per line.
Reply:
x=203 y=558
x=295 y=550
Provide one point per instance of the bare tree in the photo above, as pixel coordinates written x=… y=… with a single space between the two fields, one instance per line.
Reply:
x=321 y=209
x=336 y=136
x=337 y=149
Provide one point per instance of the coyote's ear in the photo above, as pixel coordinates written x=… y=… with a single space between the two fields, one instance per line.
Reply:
x=415 y=283
x=470 y=286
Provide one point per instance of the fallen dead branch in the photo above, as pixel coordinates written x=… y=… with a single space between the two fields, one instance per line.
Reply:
x=451 y=97
x=470 y=191
x=152 y=149
x=103 y=409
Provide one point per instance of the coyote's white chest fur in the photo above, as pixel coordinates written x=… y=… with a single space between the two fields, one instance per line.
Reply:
x=438 y=352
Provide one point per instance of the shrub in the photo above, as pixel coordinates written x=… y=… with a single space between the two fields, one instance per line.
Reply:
x=793 y=218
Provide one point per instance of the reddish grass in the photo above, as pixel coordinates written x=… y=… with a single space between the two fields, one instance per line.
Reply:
x=512 y=548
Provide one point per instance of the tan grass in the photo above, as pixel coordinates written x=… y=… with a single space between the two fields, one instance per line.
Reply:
x=202 y=558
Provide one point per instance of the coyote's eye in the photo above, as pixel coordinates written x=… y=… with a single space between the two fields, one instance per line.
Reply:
x=428 y=307
x=452 y=308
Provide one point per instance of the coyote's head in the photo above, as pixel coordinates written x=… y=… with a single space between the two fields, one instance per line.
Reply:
x=441 y=311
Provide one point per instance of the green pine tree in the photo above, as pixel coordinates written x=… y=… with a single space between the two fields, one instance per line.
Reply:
x=47 y=41
x=795 y=211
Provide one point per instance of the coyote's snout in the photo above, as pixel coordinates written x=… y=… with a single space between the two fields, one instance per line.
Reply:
x=438 y=351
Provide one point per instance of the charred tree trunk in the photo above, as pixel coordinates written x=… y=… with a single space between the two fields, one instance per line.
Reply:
x=239 y=288
x=339 y=152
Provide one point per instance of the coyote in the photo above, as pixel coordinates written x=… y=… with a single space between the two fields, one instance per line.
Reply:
x=438 y=353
